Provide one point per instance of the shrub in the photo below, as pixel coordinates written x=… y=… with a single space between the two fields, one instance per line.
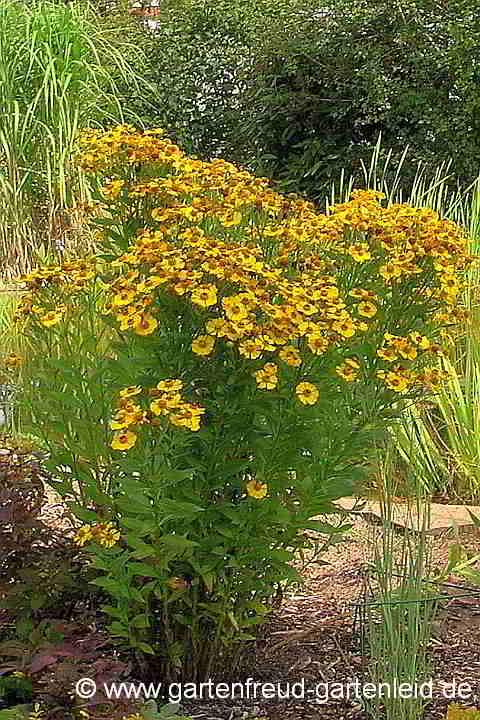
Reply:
x=297 y=93
x=262 y=348
x=37 y=568
x=323 y=84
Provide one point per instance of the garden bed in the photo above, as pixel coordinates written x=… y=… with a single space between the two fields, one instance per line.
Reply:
x=314 y=638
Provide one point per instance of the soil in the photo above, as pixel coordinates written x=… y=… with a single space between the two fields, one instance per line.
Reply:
x=314 y=640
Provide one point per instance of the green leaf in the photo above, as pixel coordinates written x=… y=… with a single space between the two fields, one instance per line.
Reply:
x=143 y=569
x=281 y=555
x=176 y=509
x=115 y=588
x=174 y=477
x=145 y=648
x=177 y=542
x=134 y=502
x=87 y=516
x=141 y=527
x=141 y=549
x=140 y=622
x=117 y=628
x=114 y=612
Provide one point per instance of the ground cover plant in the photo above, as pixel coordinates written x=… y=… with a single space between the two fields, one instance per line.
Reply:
x=222 y=371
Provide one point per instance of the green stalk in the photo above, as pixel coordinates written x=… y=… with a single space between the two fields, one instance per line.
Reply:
x=400 y=614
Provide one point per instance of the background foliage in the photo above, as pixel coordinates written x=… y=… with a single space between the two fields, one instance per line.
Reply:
x=297 y=93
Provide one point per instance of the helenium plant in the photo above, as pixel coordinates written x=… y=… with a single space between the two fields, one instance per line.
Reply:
x=257 y=351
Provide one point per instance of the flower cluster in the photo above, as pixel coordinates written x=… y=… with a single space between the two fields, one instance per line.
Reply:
x=72 y=276
x=287 y=289
x=103 y=533
x=167 y=402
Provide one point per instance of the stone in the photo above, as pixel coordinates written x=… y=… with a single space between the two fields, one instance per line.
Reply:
x=405 y=515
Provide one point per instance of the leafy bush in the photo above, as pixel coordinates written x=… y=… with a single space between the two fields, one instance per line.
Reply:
x=261 y=350
x=37 y=564
x=326 y=83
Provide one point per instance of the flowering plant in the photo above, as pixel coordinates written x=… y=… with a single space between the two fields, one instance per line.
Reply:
x=257 y=351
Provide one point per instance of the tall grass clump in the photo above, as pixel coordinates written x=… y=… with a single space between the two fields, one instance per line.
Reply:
x=402 y=609
x=60 y=70
x=440 y=438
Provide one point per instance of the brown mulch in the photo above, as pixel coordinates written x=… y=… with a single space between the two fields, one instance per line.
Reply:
x=314 y=640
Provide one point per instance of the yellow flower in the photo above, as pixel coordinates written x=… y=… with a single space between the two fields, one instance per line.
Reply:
x=170 y=385
x=307 y=393
x=348 y=370
x=394 y=380
x=387 y=354
x=160 y=406
x=13 y=360
x=235 y=310
x=130 y=391
x=188 y=416
x=125 y=297
x=113 y=188
x=367 y=309
x=360 y=253
x=215 y=326
x=203 y=345
x=124 y=441
x=144 y=324
x=251 y=349
x=204 y=295
x=405 y=350
x=83 y=535
x=291 y=356
x=121 y=421
x=317 y=343
x=346 y=328
x=51 y=318
x=257 y=489
x=390 y=271
x=267 y=377
x=420 y=340
x=105 y=534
